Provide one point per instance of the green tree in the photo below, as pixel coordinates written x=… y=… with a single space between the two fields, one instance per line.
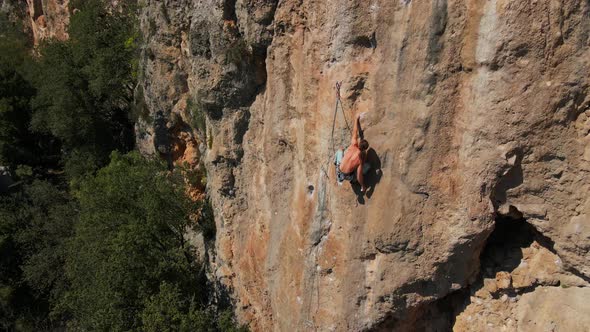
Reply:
x=18 y=145
x=35 y=222
x=48 y=215
x=169 y=310
x=85 y=86
x=129 y=240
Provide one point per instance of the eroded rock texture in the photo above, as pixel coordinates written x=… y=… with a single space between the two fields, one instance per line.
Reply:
x=48 y=19
x=477 y=112
x=41 y=19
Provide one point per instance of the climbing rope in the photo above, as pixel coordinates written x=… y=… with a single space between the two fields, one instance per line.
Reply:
x=315 y=283
x=337 y=103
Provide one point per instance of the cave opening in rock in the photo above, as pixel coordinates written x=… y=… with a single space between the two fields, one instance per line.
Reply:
x=503 y=250
x=502 y=253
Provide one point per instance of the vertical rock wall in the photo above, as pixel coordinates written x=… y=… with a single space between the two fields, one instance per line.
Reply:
x=478 y=117
x=476 y=110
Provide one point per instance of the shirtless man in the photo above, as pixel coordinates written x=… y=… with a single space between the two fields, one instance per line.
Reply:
x=353 y=161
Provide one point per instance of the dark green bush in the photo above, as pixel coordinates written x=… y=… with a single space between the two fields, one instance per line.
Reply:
x=85 y=85
x=130 y=239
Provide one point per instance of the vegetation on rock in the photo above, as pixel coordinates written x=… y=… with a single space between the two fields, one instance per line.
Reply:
x=93 y=236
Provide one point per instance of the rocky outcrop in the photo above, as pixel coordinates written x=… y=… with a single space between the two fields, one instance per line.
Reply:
x=41 y=19
x=523 y=283
x=546 y=309
x=477 y=111
x=48 y=19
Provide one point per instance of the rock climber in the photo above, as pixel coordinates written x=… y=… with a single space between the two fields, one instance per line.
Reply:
x=352 y=164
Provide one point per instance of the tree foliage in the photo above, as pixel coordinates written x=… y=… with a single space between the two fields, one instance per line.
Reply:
x=130 y=239
x=35 y=222
x=169 y=310
x=18 y=145
x=104 y=247
x=113 y=257
x=85 y=86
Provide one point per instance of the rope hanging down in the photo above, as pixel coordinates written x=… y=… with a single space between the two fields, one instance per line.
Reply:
x=316 y=283
x=338 y=102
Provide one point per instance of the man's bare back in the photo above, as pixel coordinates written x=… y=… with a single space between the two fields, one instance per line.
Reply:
x=354 y=158
x=351 y=160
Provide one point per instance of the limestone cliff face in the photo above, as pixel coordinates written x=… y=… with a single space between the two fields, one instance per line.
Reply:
x=477 y=112
x=478 y=117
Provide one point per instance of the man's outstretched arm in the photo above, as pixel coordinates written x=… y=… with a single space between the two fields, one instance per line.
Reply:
x=355 y=130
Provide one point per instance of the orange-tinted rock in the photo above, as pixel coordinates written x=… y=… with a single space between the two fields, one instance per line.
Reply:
x=503 y=280
x=48 y=19
x=475 y=110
